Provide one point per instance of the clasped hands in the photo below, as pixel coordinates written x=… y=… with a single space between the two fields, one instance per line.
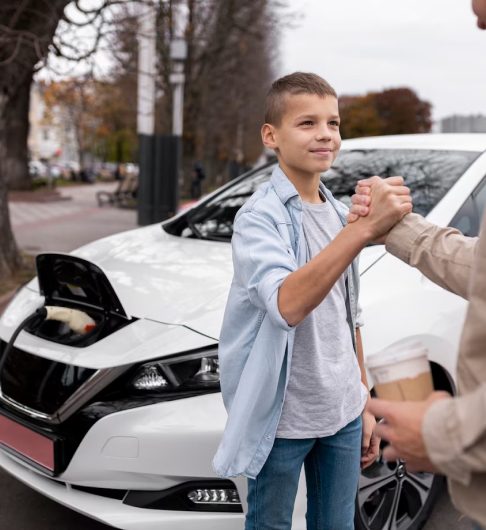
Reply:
x=381 y=203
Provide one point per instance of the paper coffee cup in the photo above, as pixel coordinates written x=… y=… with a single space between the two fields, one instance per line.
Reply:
x=401 y=372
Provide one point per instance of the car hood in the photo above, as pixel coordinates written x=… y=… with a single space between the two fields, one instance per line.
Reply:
x=173 y=280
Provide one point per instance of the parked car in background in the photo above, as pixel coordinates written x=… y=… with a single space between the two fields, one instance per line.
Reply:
x=121 y=423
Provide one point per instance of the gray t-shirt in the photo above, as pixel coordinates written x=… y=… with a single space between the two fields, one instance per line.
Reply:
x=324 y=392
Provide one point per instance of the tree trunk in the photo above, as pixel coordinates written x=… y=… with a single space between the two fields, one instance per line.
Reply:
x=27 y=30
x=17 y=122
x=9 y=255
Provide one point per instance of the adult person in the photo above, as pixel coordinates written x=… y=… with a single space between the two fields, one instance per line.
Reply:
x=444 y=434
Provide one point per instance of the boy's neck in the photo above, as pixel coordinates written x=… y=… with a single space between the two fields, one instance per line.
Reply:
x=306 y=184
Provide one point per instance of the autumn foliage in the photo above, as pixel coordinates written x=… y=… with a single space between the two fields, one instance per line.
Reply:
x=392 y=111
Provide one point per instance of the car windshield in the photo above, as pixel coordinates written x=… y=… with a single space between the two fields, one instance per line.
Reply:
x=428 y=173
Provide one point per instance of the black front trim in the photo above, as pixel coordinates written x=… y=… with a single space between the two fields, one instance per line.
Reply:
x=38 y=383
x=102 y=492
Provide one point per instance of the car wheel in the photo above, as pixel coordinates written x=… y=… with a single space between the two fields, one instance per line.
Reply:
x=392 y=498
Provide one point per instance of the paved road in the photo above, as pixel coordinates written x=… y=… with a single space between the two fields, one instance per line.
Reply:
x=63 y=226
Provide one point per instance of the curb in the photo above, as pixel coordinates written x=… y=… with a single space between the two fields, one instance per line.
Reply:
x=37 y=196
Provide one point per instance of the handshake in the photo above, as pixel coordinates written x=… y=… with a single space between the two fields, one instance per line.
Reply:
x=378 y=205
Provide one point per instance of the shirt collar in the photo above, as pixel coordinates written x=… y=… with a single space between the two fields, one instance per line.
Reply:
x=286 y=191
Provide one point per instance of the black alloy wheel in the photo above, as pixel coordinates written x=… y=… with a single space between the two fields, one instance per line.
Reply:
x=392 y=498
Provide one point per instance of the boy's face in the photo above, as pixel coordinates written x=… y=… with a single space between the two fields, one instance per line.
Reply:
x=307 y=140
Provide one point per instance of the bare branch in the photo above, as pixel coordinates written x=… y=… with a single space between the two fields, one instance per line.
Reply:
x=14 y=54
x=20 y=8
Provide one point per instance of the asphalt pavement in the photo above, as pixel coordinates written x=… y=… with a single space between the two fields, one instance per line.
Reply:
x=63 y=226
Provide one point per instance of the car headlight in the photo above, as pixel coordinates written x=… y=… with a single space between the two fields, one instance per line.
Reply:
x=194 y=371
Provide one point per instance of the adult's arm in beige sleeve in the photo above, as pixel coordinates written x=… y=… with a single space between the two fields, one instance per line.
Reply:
x=454 y=431
x=444 y=255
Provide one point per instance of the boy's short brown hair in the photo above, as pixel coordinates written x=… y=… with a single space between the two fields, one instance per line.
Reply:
x=292 y=84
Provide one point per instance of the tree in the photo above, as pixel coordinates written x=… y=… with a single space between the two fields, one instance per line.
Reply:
x=392 y=111
x=28 y=32
x=402 y=111
x=359 y=117
x=230 y=64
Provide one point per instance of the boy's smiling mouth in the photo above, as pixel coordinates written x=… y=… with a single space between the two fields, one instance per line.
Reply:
x=321 y=150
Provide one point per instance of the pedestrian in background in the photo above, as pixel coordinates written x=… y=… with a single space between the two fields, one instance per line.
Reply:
x=198 y=175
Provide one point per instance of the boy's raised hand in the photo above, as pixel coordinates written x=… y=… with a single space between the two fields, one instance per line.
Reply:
x=370 y=441
x=380 y=203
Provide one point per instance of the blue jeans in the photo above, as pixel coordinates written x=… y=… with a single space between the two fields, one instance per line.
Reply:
x=331 y=470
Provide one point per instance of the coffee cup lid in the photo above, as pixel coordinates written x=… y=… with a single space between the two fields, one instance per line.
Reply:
x=399 y=351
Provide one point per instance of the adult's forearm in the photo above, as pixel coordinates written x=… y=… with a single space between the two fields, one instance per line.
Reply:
x=303 y=290
x=444 y=255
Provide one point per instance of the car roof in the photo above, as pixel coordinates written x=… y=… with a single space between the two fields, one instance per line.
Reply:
x=456 y=141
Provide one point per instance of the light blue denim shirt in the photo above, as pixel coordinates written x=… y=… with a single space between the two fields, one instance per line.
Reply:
x=256 y=343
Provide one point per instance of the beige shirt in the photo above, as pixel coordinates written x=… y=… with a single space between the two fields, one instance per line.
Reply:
x=455 y=429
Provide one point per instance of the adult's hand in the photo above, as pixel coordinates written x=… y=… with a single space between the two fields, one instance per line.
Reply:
x=402 y=428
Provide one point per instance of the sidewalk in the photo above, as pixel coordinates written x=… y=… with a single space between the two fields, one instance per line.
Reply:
x=65 y=225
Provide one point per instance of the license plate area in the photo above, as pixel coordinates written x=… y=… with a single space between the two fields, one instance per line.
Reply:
x=40 y=450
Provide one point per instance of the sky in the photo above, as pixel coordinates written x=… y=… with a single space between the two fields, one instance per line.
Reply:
x=431 y=46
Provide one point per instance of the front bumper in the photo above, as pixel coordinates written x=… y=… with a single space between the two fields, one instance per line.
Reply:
x=113 y=512
x=153 y=448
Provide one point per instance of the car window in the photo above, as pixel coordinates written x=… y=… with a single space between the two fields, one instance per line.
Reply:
x=480 y=199
x=468 y=218
x=214 y=219
x=428 y=173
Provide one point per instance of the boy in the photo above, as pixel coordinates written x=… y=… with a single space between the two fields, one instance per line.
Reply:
x=291 y=361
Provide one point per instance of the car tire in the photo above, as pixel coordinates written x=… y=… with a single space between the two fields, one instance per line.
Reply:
x=392 y=498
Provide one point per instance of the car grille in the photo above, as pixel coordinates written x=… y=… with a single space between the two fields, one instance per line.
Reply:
x=37 y=383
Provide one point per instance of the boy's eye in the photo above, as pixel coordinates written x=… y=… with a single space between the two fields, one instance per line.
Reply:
x=307 y=123
x=334 y=123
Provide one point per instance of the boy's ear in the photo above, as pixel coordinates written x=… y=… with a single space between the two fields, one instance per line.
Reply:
x=269 y=138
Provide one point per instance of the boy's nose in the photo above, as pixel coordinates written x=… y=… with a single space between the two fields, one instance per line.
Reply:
x=323 y=134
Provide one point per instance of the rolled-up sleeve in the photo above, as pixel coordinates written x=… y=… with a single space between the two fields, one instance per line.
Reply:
x=262 y=260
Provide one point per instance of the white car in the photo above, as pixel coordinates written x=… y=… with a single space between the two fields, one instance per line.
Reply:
x=121 y=423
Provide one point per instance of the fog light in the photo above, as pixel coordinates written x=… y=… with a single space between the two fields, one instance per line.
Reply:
x=150 y=379
x=214 y=496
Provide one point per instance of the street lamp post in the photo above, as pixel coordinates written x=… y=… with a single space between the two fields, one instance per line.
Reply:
x=178 y=54
x=146 y=113
x=168 y=148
